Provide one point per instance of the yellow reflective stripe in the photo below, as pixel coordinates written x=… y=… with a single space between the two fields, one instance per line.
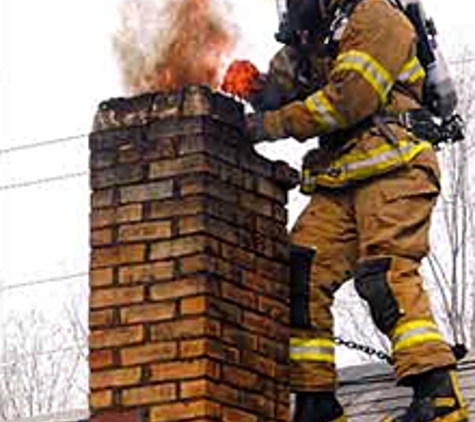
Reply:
x=412 y=71
x=358 y=166
x=315 y=350
x=413 y=333
x=323 y=111
x=369 y=68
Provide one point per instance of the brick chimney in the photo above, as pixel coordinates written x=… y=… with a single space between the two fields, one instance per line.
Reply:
x=189 y=265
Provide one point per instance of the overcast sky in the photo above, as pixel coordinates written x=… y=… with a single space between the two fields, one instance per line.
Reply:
x=56 y=65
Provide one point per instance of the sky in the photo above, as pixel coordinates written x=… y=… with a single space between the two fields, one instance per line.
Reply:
x=56 y=65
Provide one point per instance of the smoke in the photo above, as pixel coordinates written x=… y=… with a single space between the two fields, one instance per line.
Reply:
x=166 y=44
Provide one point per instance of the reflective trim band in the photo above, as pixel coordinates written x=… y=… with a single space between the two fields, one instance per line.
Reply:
x=361 y=165
x=412 y=71
x=369 y=68
x=413 y=333
x=323 y=111
x=315 y=350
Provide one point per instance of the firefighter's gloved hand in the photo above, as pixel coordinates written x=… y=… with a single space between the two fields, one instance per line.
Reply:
x=264 y=126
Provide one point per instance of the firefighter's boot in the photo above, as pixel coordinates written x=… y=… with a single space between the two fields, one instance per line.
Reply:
x=318 y=407
x=437 y=398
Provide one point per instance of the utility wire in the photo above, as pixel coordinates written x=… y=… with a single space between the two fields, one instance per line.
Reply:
x=50 y=280
x=29 y=183
x=39 y=144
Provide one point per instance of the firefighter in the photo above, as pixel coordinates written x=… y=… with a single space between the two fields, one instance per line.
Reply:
x=348 y=74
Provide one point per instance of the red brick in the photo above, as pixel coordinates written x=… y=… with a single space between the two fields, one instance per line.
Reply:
x=122 y=336
x=102 y=217
x=184 y=329
x=195 y=163
x=146 y=192
x=99 y=359
x=176 y=208
x=207 y=388
x=100 y=399
x=239 y=295
x=151 y=352
x=118 y=255
x=114 y=416
x=101 y=237
x=235 y=415
x=129 y=213
x=146 y=273
x=101 y=277
x=178 y=247
x=103 y=298
x=145 y=231
x=172 y=412
x=178 y=289
x=102 y=198
x=101 y=318
x=191 y=224
x=240 y=377
x=182 y=370
x=193 y=305
x=150 y=312
x=115 y=378
x=149 y=394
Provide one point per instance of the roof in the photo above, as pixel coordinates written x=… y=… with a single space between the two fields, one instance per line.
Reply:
x=369 y=392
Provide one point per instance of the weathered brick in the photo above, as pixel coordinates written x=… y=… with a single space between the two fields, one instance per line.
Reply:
x=176 y=207
x=101 y=318
x=208 y=347
x=150 y=312
x=145 y=231
x=210 y=389
x=151 y=352
x=129 y=213
x=103 y=298
x=115 y=378
x=149 y=394
x=100 y=399
x=100 y=359
x=192 y=224
x=116 y=176
x=184 y=328
x=179 y=288
x=177 y=247
x=146 y=273
x=196 y=163
x=117 y=255
x=101 y=277
x=172 y=412
x=182 y=370
x=102 y=217
x=102 y=198
x=122 y=336
x=193 y=305
x=236 y=415
x=146 y=192
x=102 y=237
x=240 y=377
x=239 y=295
x=192 y=185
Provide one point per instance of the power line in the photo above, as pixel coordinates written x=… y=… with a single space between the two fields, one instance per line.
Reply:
x=50 y=280
x=29 y=183
x=40 y=144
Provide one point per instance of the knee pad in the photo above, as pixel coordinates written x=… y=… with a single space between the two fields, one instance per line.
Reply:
x=371 y=283
x=300 y=265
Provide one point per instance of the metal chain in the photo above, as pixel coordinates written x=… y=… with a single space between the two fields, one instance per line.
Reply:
x=368 y=350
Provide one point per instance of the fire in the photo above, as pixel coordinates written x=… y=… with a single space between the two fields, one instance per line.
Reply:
x=166 y=44
x=241 y=79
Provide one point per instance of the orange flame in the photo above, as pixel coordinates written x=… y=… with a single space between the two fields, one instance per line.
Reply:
x=241 y=79
x=189 y=46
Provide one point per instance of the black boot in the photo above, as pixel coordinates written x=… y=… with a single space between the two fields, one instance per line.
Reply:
x=437 y=398
x=317 y=407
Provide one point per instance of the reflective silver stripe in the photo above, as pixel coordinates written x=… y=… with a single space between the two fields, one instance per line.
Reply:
x=369 y=68
x=412 y=71
x=415 y=332
x=380 y=158
x=323 y=111
x=315 y=350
